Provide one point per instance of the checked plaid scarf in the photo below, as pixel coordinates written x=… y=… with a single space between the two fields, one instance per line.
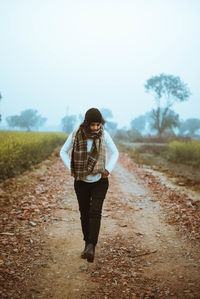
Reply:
x=82 y=162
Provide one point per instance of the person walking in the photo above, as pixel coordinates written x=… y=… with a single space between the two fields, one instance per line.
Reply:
x=85 y=155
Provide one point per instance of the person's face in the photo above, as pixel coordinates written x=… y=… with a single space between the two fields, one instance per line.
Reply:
x=94 y=126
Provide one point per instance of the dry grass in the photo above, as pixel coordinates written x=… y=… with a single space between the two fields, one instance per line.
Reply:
x=154 y=155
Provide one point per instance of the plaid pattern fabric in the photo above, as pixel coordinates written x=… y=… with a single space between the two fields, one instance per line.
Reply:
x=82 y=162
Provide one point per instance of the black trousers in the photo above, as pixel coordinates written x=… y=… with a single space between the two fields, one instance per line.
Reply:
x=90 y=199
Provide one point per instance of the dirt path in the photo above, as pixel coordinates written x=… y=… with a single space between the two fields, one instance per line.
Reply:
x=148 y=244
x=139 y=254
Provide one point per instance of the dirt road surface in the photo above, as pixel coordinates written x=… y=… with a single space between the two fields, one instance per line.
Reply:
x=141 y=253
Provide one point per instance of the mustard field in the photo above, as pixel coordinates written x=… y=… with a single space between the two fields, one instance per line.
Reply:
x=19 y=150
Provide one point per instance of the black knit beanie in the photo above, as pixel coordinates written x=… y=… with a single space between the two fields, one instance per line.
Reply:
x=93 y=115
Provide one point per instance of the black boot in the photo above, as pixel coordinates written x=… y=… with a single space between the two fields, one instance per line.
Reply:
x=83 y=256
x=89 y=252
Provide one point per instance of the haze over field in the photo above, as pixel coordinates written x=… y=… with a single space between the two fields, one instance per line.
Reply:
x=67 y=56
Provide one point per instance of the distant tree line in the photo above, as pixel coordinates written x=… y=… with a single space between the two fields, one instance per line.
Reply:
x=161 y=120
x=28 y=119
x=69 y=122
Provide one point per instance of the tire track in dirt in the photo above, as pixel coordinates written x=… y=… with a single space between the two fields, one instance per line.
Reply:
x=139 y=255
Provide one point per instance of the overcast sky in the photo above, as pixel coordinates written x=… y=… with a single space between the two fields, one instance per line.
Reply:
x=60 y=56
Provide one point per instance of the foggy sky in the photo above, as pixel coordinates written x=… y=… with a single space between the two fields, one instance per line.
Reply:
x=68 y=56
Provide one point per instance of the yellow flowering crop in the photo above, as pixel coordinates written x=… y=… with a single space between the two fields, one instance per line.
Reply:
x=18 y=150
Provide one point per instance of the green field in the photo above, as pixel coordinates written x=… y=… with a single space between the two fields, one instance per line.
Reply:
x=19 y=150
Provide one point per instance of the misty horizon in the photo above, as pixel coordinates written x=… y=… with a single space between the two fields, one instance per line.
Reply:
x=65 y=57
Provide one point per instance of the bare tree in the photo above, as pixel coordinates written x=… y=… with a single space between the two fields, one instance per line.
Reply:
x=167 y=90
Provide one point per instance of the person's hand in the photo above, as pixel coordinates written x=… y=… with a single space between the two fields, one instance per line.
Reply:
x=105 y=174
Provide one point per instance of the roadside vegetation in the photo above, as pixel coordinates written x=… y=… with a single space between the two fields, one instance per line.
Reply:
x=184 y=152
x=176 y=158
x=19 y=150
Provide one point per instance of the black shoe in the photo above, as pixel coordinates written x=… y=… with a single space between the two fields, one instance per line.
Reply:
x=83 y=256
x=89 y=252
